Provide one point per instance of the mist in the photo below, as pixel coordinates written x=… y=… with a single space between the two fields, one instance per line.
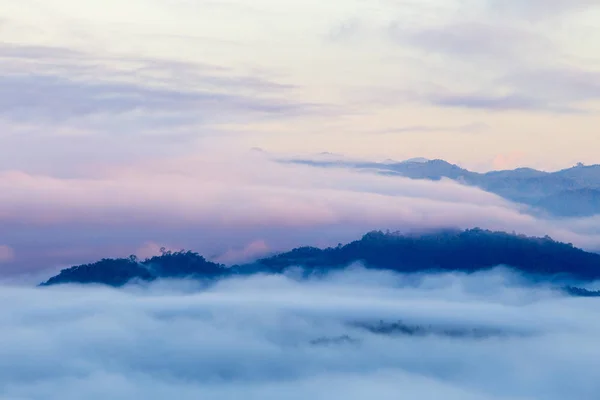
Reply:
x=280 y=336
x=233 y=208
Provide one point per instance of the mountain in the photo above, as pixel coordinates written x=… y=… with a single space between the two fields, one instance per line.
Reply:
x=461 y=251
x=572 y=203
x=118 y=272
x=464 y=251
x=582 y=175
x=566 y=193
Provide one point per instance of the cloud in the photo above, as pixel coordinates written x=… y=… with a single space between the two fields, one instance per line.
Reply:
x=71 y=63
x=558 y=85
x=472 y=39
x=476 y=127
x=490 y=59
x=536 y=9
x=67 y=110
x=42 y=85
x=487 y=102
x=11 y=51
x=559 y=90
x=217 y=204
x=255 y=338
x=24 y=98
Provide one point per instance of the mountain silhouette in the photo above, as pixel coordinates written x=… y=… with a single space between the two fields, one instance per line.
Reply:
x=442 y=251
x=446 y=251
x=120 y=271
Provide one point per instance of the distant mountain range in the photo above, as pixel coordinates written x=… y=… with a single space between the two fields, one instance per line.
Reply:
x=442 y=251
x=572 y=192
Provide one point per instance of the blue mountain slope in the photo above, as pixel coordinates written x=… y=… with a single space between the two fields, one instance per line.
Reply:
x=461 y=251
x=569 y=192
x=465 y=251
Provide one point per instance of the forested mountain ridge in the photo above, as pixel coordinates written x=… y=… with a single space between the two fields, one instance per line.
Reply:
x=442 y=251
x=120 y=271
x=452 y=250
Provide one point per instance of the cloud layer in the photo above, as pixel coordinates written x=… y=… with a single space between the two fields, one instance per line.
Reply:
x=235 y=207
x=258 y=338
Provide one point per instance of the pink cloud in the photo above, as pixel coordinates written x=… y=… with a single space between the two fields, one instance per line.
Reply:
x=509 y=160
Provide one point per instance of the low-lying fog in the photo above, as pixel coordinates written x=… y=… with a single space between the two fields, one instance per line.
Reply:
x=280 y=337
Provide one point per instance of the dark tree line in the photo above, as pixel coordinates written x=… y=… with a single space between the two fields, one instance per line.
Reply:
x=461 y=251
x=465 y=251
x=118 y=272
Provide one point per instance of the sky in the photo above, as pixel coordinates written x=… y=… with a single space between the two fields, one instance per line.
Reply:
x=485 y=83
x=129 y=126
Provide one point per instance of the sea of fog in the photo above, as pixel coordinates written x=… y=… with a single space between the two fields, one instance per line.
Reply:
x=283 y=337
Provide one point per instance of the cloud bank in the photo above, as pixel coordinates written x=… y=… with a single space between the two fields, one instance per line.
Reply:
x=264 y=338
x=234 y=208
